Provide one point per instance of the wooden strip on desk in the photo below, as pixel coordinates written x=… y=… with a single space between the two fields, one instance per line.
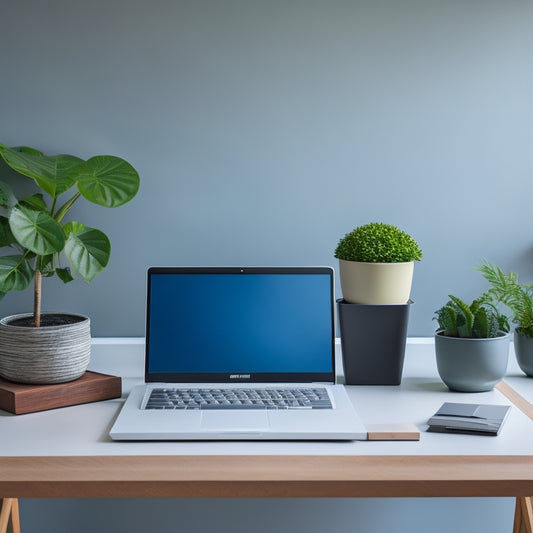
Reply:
x=266 y=476
x=517 y=399
x=392 y=432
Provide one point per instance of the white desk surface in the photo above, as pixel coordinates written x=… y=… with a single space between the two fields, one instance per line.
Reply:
x=83 y=430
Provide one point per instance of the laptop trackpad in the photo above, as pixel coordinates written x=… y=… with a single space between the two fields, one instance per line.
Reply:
x=238 y=421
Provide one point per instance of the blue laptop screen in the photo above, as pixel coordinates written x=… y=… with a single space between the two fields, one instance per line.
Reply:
x=239 y=325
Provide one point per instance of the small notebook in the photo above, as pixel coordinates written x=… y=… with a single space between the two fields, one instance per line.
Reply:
x=474 y=419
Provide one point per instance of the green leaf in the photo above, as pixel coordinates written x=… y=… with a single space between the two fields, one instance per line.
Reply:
x=107 y=180
x=37 y=231
x=74 y=227
x=465 y=318
x=87 y=249
x=503 y=323
x=463 y=330
x=27 y=150
x=482 y=323
x=64 y=275
x=50 y=172
x=476 y=305
x=35 y=202
x=506 y=289
x=447 y=319
x=15 y=273
x=63 y=210
x=5 y=195
x=6 y=235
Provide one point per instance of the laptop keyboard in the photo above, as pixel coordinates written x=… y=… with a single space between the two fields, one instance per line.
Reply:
x=227 y=398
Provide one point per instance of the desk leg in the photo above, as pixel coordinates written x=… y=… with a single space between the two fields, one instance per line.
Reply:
x=10 y=508
x=523 y=515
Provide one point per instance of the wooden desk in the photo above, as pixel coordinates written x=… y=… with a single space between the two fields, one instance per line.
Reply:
x=266 y=476
x=74 y=457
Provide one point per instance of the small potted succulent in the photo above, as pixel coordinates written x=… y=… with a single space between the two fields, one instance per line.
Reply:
x=38 y=242
x=518 y=298
x=376 y=264
x=471 y=344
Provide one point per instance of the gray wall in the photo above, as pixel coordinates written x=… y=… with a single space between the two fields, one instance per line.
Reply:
x=264 y=131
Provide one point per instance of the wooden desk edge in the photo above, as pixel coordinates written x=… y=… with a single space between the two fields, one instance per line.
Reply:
x=266 y=476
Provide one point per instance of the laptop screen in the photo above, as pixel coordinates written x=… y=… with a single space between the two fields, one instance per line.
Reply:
x=250 y=324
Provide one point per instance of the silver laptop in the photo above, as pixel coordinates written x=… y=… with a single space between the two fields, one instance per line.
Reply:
x=239 y=353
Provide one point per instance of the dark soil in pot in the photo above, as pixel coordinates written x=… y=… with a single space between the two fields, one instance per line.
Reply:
x=47 y=319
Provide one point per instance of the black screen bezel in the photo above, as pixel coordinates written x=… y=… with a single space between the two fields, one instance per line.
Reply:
x=257 y=377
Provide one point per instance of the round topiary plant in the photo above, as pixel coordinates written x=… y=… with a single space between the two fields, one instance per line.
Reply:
x=378 y=243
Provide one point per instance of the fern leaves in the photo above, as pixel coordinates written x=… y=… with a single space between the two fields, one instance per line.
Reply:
x=518 y=298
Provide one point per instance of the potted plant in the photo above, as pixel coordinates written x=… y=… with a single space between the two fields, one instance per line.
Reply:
x=518 y=298
x=376 y=264
x=471 y=344
x=53 y=348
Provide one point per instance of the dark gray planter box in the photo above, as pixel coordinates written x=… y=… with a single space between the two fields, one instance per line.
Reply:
x=373 y=342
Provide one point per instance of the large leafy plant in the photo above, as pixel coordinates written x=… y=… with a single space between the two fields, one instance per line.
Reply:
x=479 y=320
x=518 y=298
x=378 y=243
x=34 y=227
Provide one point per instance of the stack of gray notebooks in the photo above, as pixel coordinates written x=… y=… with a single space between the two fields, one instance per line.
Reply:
x=473 y=419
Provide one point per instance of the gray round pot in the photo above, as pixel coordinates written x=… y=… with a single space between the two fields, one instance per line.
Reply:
x=471 y=365
x=523 y=347
x=49 y=354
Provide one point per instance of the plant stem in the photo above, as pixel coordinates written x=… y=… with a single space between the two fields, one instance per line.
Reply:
x=37 y=300
x=62 y=211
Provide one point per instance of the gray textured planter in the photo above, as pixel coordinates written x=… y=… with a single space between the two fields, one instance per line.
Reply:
x=523 y=347
x=471 y=365
x=45 y=355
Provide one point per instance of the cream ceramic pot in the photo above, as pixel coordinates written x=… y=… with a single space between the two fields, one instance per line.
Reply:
x=376 y=283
